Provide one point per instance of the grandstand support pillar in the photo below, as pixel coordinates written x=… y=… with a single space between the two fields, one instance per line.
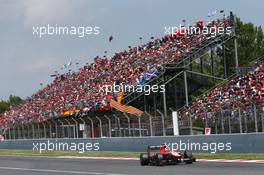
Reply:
x=69 y=129
x=229 y=124
x=150 y=123
x=18 y=132
x=139 y=126
x=212 y=61
x=206 y=119
x=62 y=126
x=9 y=134
x=154 y=104
x=262 y=119
x=76 y=128
x=191 y=124
x=128 y=121
x=175 y=93
x=50 y=131
x=23 y=130
x=191 y=65
x=255 y=118
x=201 y=68
x=39 y=136
x=44 y=130
x=144 y=102
x=187 y=100
x=216 y=127
x=33 y=131
x=245 y=120
x=28 y=131
x=163 y=123
x=109 y=126
x=222 y=122
x=101 y=127
x=236 y=54
x=164 y=98
x=14 y=133
x=92 y=124
x=5 y=134
x=84 y=136
x=56 y=129
x=186 y=88
x=240 y=120
x=118 y=122
x=224 y=61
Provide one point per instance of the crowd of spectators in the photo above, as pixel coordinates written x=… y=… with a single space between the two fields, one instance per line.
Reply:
x=240 y=92
x=80 y=90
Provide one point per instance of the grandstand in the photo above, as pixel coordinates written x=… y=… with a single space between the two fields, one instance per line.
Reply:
x=187 y=64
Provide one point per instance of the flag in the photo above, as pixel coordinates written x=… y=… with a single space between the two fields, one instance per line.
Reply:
x=212 y=13
x=111 y=38
x=123 y=108
x=67 y=65
x=150 y=75
x=128 y=109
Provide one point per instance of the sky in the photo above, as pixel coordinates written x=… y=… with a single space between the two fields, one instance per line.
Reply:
x=26 y=60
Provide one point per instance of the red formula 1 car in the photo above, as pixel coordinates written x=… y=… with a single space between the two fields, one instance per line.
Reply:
x=160 y=155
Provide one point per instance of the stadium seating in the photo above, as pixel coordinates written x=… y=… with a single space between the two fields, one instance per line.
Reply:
x=80 y=90
x=241 y=91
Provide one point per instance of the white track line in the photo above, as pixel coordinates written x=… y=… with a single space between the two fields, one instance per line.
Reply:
x=97 y=158
x=137 y=159
x=198 y=160
x=56 y=171
x=230 y=161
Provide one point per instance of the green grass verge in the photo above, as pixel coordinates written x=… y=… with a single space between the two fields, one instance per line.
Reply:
x=124 y=154
x=69 y=153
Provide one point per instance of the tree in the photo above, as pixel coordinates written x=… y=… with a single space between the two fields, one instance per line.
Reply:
x=198 y=122
x=4 y=106
x=14 y=100
x=250 y=40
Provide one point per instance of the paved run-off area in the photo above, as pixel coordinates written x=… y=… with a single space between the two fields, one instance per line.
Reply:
x=13 y=165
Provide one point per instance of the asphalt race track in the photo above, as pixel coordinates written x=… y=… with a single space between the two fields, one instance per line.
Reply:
x=13 y=165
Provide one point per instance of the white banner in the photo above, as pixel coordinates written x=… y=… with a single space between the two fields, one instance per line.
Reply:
x=175 y=123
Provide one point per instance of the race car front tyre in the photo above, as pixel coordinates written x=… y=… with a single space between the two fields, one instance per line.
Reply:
x=144 y=160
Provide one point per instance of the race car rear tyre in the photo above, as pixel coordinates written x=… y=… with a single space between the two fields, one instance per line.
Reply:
x=188 y=157
x=144 y=160
x=159 y=160
x=188 y=154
